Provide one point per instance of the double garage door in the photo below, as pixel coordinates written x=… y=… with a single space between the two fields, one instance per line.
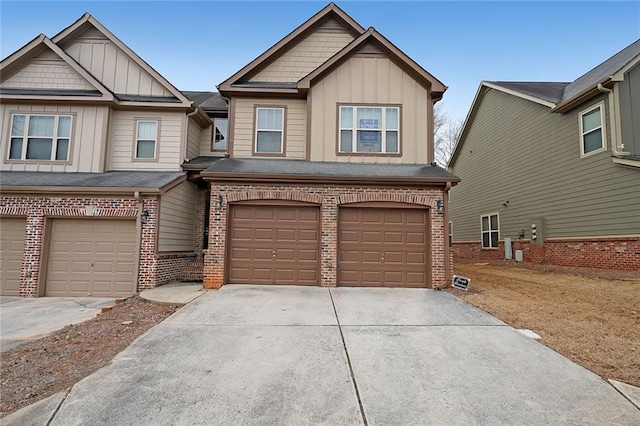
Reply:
x=281 y=245
x=85 y=257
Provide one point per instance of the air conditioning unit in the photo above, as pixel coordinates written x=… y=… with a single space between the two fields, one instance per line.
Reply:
x=519 y=257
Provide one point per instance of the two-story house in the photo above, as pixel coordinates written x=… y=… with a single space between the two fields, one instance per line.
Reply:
x=553 y=167
x=321 y=172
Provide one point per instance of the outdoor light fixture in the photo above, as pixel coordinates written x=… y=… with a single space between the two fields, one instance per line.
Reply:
x=144 y=216
x=439 y=206
x=219 y=201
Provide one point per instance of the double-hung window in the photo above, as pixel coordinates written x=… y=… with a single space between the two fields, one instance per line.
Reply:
x=269 y=137
x=220 y=128
x=490 y=230
x=592 y=130
x=368 y=129
x=146 y=139
x=40 y=137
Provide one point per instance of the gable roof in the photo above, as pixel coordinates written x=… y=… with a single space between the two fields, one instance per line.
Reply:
x=291 y=40
x=543 y=91
x=208 y=101
x=86 y=21
x=41 y=43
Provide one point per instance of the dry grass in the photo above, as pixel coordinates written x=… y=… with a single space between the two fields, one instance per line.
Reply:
x=592 y=318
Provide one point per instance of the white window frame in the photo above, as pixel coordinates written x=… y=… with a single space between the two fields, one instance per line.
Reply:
x=137 y=140
x=602 y=127
x=490 y=230
x=354 y=130
x=226 y=137
x=258 y=129
x=54 y=138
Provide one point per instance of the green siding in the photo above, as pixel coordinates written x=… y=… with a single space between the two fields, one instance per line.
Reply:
x=630 y=110
x=517 y=150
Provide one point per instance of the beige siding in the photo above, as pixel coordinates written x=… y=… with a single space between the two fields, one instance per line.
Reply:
x=111 y=66
x=89 y=126
x=369 y=80
x=122 y=139
x=518 y=150
x=47 y=75
x=305 y=56
x=194 y=137
x=177 y=218
x=206 y=141
x=295 y=126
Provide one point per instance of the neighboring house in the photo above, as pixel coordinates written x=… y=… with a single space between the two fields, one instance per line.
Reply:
x=93 y=199
x=323 y=173
x=555 y=167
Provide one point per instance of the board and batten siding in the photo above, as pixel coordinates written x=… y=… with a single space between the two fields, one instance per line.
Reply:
x=369 y=80
x=88 y=131
x=304 y=57
x=295 y=125
x=122 y=141
x=629 y=93
x=177 y=218
x=517 y=150
x=194 y=138
x=111 y=66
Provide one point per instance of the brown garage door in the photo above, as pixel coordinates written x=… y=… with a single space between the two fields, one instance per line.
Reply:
x=274 y=245
x=91 y=257
x=383 y=247
x=11 y=253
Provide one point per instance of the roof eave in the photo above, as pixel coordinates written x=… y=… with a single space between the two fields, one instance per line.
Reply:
x=581 y=97
x=12 y=189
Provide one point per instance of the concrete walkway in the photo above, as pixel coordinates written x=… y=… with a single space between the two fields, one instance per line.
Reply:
x=309 y=355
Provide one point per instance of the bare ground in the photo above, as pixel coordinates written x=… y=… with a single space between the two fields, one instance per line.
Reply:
x=591 y=316
x=43 y=367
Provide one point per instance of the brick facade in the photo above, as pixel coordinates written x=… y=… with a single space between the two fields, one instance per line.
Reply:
x=621 y=253
x=329 y=198
x=153 y=269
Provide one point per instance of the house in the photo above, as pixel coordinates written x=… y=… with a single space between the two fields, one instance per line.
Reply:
x=553 y=167
x=313 y=165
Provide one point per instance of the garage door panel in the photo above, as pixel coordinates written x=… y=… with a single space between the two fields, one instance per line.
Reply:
x=310 y=235
x=383 y=247
x=91 y=257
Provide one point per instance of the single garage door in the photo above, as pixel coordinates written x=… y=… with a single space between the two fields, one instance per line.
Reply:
x=11 y=253
x=274 y=245
x=383 y=247
x=91 y=257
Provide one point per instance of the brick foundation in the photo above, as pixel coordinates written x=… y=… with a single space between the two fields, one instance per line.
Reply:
x=622 y=253
x=329 y=198
x=153 y=269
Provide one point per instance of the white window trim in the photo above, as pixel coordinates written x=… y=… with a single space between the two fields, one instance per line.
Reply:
x=136 y=140
x=354 y=130
x=213 y=142
x=602 y=126
x=25 y=138
x=257 y=129
x=482 y=232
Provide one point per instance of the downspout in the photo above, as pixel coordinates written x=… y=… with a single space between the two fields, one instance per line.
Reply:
x=615 y=146
x=445 y=201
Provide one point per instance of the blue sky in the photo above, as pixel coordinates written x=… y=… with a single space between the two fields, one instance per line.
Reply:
x=197 y=45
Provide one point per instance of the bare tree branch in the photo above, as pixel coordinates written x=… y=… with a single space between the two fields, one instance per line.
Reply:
x=446 y=132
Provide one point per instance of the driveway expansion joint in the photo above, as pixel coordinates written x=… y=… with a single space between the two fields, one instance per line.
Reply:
x=53 y=415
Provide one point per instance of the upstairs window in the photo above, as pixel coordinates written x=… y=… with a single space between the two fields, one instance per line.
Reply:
x=220 y=126
x=373 y=130
x=146 y=139
x=269 y=135
x=40 y=137
x=592 y=130
x=490 y=230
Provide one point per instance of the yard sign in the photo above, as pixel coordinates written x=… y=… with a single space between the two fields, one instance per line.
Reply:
x=461 y=282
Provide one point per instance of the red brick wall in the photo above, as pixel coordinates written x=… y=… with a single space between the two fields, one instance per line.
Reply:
x=621 y=253
x=152 y=270
x=329 y=198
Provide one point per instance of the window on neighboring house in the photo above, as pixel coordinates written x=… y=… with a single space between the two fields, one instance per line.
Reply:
x=366 y=129
x=146 y=139
x=220 y=126
x=40 y=137
x=269 y=131
x=450 y=234
x=592 y=130
x=490 y=231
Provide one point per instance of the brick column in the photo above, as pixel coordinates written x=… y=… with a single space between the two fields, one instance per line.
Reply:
x=438 y=268
x=214 y=256
x=31 y=261
x=148 y=266
x=329 y=242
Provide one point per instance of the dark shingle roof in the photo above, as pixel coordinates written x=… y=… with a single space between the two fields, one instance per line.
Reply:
x=119 y=179
x=547 y=91
x=315 y=168
x=208 y=101
x=605 y=69
x=266 y=85
x=143 y=98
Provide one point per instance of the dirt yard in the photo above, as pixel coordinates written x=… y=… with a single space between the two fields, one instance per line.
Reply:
x=52 y=364
x=590 y=316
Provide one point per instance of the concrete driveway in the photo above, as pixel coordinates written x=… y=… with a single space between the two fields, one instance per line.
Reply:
x=23 y=319
x=296 y=356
